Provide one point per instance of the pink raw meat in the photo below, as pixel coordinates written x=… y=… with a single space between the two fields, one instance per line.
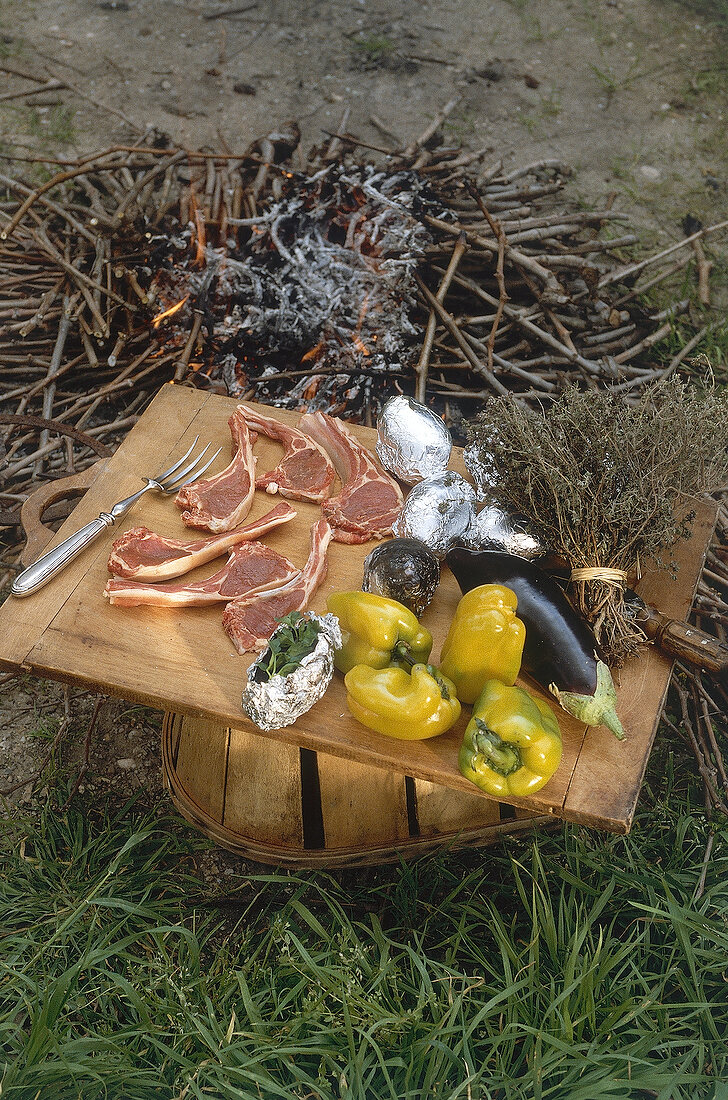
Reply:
x=221 y=502
x=251 y=565
x=250 y=620
x=370 y=500
x=305 y=471
x=142 y=555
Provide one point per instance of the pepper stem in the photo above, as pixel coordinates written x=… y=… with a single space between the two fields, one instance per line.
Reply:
x=501 y=756
x=597 y=709
x=402 y=655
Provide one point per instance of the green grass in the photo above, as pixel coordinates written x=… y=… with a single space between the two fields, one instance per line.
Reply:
x=372 y=48
x=610 y=81
x=710 y=354
x=567 y=966
x=549 y=108
x=56 y=126
x=532 y=25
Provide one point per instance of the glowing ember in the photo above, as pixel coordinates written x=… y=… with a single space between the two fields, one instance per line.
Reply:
x=156 y=321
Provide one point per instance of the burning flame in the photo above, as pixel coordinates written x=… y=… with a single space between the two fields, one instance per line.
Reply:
x=356 y=339
x=361 y=346
x=314 y=353
x=156 y=321
x=199 y=260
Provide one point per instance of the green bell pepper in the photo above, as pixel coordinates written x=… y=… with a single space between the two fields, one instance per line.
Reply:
x=512 y=743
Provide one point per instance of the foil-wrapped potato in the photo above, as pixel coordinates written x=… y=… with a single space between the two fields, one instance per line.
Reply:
x=495 y=528
x=438 y=512
x=413 y=442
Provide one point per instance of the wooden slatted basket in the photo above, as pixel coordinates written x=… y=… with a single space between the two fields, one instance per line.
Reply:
x=275 y=803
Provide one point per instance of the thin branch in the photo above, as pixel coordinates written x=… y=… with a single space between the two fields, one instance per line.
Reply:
x=422 y=365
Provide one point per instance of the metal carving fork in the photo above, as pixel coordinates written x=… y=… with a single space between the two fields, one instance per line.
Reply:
x=38 y=574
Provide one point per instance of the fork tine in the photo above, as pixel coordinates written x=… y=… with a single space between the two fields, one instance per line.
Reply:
x=191 y=465
x=181 y=478
x=190 y=468
x=186 y=455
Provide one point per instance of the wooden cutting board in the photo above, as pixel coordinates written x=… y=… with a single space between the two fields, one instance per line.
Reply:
x=181 y=660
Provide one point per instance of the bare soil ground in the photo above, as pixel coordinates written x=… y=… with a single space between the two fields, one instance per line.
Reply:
x=632 y=94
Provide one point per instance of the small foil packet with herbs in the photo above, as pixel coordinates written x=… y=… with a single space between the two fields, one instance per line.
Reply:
x=294 y=671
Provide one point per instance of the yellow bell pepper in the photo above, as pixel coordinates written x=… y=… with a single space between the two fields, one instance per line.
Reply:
x=376 y=631
x=512 y=743
x=408 y=705
x=485 y=641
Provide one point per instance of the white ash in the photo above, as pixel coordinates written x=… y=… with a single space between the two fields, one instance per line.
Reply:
x=328 y=270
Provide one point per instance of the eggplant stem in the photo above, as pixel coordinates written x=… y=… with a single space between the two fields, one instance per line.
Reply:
x=597 y=709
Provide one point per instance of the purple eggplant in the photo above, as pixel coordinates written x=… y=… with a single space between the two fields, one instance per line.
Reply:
x=560 y=652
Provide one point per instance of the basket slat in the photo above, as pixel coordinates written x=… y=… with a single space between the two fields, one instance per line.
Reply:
x=361 y=805
x=263 y=790
x=441 y=810
x=201 y=762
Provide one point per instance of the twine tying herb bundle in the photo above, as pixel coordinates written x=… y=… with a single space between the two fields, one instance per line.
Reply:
x=610 y=484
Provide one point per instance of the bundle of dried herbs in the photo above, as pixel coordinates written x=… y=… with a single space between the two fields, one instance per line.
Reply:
x=611 y=484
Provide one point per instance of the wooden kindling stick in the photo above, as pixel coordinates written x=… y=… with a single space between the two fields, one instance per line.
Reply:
x=60 y=177
x=56 y=357
x=704 y=268
x=527 y=263
x=452 y=327
x=424 y=360
x=100 y=700
x=498 y=232
x=431 y=130
x=632 y=269
x=189 y=347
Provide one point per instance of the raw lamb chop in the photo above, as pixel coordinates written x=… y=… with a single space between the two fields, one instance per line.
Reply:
x=142 y=555
x=304 y=473
x=251 y=565
x=250 y=620
x=370 y=500
x=221 y=502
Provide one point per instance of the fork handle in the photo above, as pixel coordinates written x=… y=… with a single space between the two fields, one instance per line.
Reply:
x=38 y=574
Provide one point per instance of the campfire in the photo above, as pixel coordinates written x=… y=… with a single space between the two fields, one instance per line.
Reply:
x=327 y=281
x=313 y=301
